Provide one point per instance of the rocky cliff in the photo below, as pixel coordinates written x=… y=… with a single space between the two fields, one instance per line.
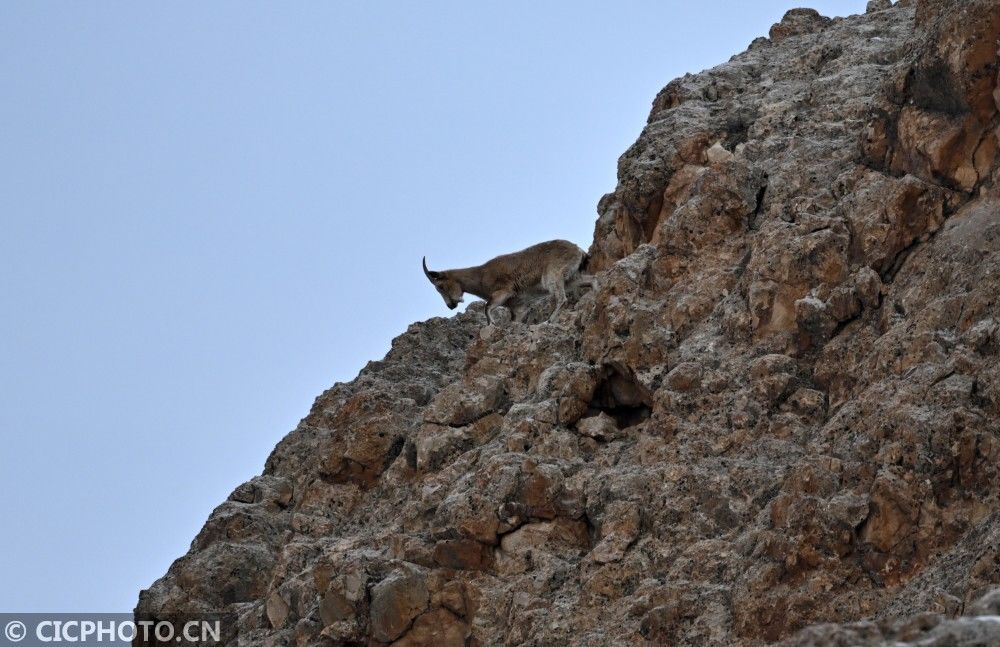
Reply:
x=778 y=408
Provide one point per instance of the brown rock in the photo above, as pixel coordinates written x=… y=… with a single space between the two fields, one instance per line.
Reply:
x=717 y=154
x=452 y=597
x=815 y=319
x=619 y=528
x=277 y=610
x=396 y=601
x=893 y=513
x=436 y=628
x=602 y=427
x=686 y=376
x=843 y=303
x=463 y=554
x=335 y=607
x=868 y=286
x=796 y=22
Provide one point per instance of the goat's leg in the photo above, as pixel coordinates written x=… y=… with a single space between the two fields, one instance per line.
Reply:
x=557 y=289
x=518 y=310
x=560 y=298
x=498 y=298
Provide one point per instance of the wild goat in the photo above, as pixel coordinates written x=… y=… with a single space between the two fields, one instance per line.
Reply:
x=546 y=266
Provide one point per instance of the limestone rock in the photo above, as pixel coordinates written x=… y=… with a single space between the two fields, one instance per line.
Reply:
x=685 y=376
x=437 y=628
x=796 y=22
x=602 y=427
x=396 y=601
x=923 y=630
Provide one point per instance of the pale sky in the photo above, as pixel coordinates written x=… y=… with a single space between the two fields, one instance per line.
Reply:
x=213 y=211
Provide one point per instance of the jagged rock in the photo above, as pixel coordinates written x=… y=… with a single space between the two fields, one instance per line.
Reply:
x=797 y=22
x=717 y=154
x=619 y=528
x=464 y=554
x=868 y=286
x=815 y=319
x=776 y=416
x=843 y=303
x=396 y=601
x=437 y=628
x=277 y=610
x=685 y=376
x=602 y=427
x=922 y=630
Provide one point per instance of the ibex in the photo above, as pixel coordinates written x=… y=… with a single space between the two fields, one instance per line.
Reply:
x=546 y=266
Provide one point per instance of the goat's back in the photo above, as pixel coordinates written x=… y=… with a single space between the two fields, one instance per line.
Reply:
x=526 y=267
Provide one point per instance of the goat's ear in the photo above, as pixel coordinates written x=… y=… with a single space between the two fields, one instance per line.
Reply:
x=430 y=273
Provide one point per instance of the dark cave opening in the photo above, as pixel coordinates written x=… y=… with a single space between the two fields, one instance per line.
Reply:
x=620 y=395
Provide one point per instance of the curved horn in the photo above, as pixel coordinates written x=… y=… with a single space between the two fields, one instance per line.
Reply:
x=430 y=275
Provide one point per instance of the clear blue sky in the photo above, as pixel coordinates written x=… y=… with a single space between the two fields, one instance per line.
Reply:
x=213 y=211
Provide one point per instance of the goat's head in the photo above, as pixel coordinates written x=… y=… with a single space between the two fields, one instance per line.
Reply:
x=449 y=289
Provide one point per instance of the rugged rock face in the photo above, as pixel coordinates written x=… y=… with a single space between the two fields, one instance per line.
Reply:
x=779 y=407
